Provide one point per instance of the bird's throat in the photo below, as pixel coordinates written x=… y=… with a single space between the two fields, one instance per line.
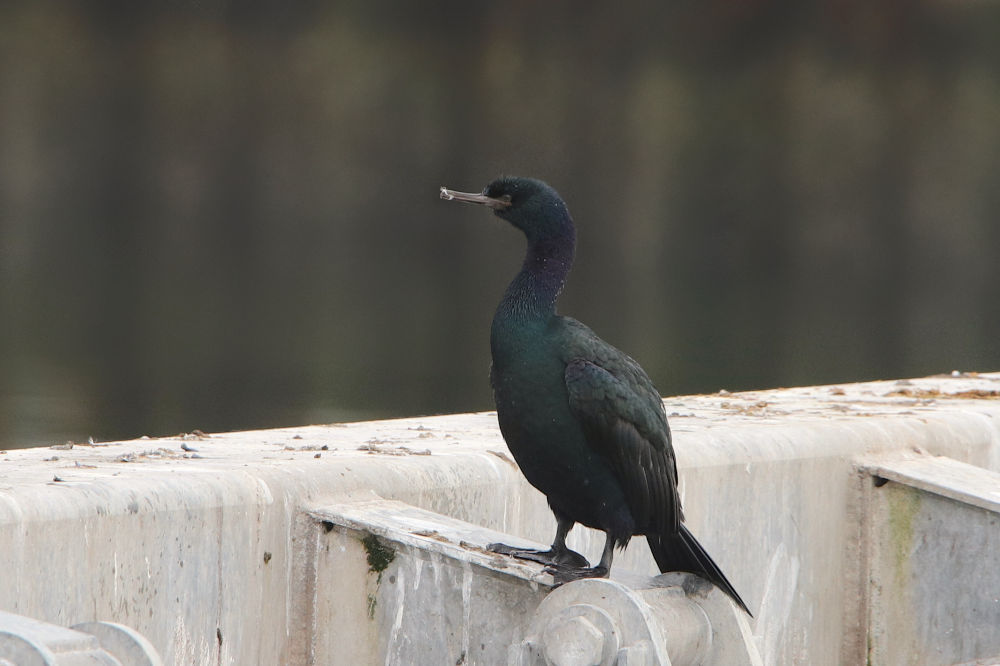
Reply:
x=532 y=294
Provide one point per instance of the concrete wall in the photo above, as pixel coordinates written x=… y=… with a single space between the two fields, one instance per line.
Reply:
x=211 y=552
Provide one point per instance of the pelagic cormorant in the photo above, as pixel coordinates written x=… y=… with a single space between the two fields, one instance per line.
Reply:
x=583 y=420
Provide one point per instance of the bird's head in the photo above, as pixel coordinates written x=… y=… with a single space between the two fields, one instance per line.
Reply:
x=530 y=205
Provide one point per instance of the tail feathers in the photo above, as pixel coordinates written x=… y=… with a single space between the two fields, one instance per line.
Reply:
x=682 y=552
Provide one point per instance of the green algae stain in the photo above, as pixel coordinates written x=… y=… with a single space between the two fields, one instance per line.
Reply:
x=904 y=505
x=380 y=556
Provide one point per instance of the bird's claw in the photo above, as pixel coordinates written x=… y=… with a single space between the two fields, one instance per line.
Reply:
x=551 y=558
x=566 y=574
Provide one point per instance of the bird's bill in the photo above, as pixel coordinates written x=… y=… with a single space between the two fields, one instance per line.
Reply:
x=496 y=203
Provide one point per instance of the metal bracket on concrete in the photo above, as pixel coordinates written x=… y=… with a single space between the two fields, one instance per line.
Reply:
x=668 y=620
x=28 y=642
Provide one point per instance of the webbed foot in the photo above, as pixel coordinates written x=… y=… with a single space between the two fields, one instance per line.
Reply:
x=564 y=558
x=564 y=574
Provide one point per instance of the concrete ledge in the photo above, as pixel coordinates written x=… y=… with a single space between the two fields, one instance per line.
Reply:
x=204 y=545
x=423 y=587
x=946 y=477
x=428 y=532
x=434 y=594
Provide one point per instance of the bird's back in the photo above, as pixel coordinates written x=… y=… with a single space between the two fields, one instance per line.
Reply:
x=640 y=402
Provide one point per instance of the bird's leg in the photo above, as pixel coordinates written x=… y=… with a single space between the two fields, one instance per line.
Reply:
x=559 y=555
x=562 y=573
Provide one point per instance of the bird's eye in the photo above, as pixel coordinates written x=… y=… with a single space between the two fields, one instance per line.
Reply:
x=499 y=194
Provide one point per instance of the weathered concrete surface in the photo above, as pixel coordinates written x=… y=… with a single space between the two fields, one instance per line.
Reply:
x=934 y=526
x=200 y=554
x=204 y=552
x=437 y=595
x=432 y=591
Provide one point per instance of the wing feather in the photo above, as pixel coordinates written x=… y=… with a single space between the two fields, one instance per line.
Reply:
x=630 y=430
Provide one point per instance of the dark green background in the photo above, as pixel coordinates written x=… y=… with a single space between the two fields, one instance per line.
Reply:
x=225 y=216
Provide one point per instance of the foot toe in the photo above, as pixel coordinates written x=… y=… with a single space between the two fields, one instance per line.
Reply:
x=566 y=574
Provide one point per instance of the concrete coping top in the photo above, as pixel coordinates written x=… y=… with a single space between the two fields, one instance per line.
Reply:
x=432 y=532
x=695 y=416
x=949 y=478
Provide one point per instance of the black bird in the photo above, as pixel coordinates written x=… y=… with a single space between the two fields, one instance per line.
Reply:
x=583 y=420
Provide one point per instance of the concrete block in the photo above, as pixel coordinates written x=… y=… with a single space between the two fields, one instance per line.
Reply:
x=433 y=593
x=421 y=588
x=934 y=526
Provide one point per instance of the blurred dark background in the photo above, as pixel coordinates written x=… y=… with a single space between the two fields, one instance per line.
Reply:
x=225 y=215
